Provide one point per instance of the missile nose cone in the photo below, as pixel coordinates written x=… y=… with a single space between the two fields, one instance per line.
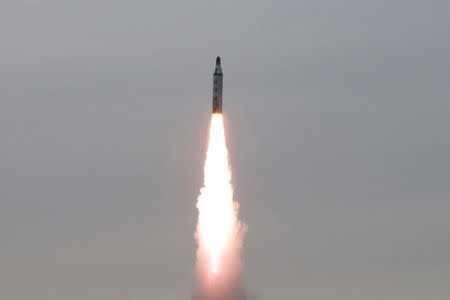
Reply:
x=218 y=61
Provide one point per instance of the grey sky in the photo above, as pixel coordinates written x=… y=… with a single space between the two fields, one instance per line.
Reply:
x=338 y=120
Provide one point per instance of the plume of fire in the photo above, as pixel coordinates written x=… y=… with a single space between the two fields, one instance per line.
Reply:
x=219 y=232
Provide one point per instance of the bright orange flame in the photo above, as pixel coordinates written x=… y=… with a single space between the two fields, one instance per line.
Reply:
x=219 y=232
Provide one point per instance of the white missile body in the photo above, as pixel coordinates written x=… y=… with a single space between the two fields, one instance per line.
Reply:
x=217 y=88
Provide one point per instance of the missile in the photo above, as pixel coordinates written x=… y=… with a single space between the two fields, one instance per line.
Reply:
x=217 y=88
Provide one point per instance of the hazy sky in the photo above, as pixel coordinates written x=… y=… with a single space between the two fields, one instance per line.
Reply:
x=338 y=119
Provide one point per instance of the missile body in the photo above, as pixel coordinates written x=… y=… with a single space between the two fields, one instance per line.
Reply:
x=217 y=88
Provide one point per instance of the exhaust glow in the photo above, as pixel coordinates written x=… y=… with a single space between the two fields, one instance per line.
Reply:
x=219 y=232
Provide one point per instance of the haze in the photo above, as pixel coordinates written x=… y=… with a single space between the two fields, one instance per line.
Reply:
x=338 y=124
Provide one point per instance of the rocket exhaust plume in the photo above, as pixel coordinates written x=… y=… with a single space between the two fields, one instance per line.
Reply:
x=219 y=232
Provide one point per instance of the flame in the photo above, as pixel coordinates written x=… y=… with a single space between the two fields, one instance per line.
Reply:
x=219 y=231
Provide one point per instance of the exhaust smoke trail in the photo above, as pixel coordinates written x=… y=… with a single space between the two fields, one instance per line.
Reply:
x=219 y=232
